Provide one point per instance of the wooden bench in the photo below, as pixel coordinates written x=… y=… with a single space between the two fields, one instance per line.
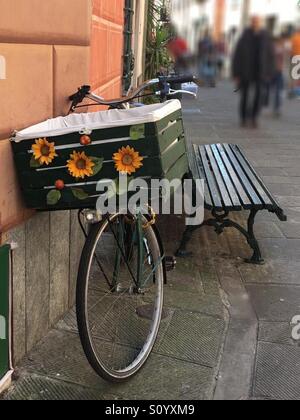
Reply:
x=231 y=185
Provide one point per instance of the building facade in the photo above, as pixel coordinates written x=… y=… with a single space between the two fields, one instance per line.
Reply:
x=279 y=15
x=190 y=18
x=47 y=50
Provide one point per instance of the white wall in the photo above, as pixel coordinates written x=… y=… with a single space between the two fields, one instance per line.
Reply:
x=286 y=10
x=233 y=14
x=187 y=12
x=187 y=16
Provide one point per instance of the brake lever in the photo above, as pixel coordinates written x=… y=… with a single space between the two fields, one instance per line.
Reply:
x=176 y=92
x=184 y=92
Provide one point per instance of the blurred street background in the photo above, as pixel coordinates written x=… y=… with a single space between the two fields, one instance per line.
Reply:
x=256 y=43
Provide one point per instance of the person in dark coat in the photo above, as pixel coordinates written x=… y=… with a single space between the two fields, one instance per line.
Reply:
x=253 y=68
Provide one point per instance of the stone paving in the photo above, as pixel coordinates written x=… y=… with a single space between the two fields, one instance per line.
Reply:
x=272 y=291
x=228 y=332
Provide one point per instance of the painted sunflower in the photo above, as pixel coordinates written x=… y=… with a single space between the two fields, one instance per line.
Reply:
x=80 y=165
x=127 y=160
x=43 y=151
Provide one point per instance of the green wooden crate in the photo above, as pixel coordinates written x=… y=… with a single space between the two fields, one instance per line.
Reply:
x=4 y=310
x=155 y=132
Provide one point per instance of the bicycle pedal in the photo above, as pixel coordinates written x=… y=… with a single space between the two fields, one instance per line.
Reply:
x=170 y=263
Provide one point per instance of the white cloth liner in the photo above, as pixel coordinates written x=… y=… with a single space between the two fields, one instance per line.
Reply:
x=98 y=120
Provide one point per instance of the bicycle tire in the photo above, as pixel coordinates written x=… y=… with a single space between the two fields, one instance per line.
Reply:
x=84 y=328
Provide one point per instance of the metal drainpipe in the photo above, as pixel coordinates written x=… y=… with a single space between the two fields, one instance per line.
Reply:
x=128 y=57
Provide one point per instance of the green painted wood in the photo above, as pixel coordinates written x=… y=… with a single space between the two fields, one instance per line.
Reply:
x=151 y=146
x=38 y=198
x=106 y=152
x=104 y=134
x=229 y=178
x=67 y=202
x=151 y=130
x=244 y=180
x=225 y=176
x=154 y=167
x=169 y=134
x=173 y=153
x=179 y=169
x=4 y=310
x=202 y=157
x=163 y=123
x=38 y=180
x=159 y=149
x=198 y=172
x=265 y=195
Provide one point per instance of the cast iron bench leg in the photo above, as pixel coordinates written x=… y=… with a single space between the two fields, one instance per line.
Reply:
x=221 y=222
x=186 y=238
x=252 y=241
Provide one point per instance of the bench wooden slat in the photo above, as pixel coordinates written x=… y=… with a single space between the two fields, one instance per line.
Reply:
x=246 y=203
x=249 y=190
x=263 y=185
x=213 y=188
x=216 y=174
x=265 y=198
x=201 y=175
x=226 y=178
x=231 y=183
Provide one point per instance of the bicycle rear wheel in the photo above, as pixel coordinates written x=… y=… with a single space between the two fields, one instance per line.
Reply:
x=120 y=295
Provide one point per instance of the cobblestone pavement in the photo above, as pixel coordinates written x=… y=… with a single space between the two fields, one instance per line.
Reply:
x=228 y=334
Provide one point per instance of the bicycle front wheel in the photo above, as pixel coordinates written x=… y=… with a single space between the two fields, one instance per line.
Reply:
x=120 y=295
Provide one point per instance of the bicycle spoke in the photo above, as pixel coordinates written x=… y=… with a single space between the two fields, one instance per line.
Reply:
x=102 y=271
x=124 y=257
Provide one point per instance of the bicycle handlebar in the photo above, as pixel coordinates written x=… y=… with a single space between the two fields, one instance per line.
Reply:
x=162 y=81
x=180 y=79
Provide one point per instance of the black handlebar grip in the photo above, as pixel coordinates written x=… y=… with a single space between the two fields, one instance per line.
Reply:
x=72 y=97
x=81 y=93
x=181 y=79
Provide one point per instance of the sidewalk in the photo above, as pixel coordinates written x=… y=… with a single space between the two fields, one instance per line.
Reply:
x=183 y=366
x=227 y=334
x=263 y=299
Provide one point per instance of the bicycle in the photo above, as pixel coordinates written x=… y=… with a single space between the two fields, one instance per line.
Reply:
x=139 y=266
x=123 y=267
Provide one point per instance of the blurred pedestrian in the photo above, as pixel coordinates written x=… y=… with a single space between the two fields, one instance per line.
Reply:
x=207 y=58
x=179 y=50
x=253 y=67
x=221 y=51
x=180 y=53
x=278 y=79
